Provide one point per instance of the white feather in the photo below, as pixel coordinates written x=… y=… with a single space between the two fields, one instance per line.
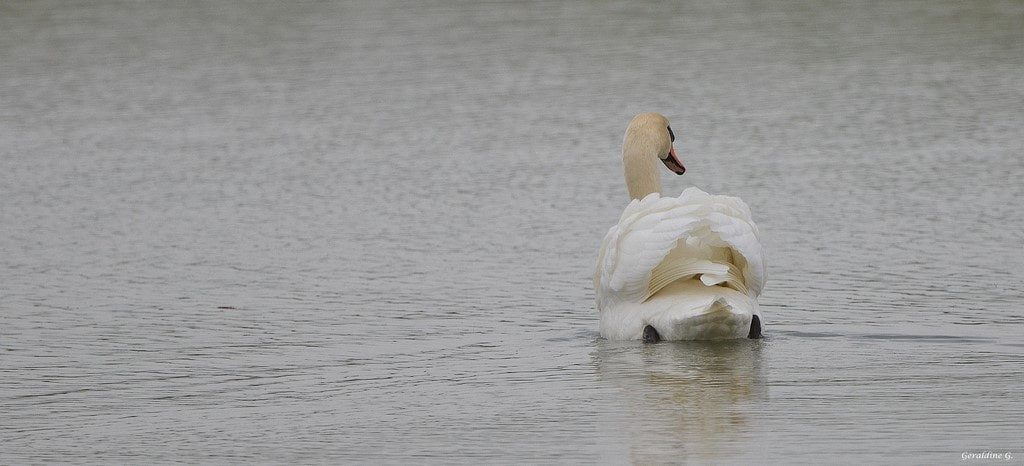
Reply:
x=692 y=266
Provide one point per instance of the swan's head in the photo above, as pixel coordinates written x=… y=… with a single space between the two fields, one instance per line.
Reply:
x=650 y=132
x=648 y=138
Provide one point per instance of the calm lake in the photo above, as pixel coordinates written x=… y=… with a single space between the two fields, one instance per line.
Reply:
x=363 y=232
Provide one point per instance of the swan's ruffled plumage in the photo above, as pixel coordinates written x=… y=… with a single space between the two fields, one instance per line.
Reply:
x=691 y=266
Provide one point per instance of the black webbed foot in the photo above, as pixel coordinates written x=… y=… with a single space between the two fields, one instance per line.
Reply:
x=755 y=328
x=651 y=335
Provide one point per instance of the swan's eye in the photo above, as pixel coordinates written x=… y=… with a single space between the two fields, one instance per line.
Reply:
x=670 y=134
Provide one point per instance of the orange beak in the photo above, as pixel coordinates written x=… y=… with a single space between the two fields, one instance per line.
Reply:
x=673 y=163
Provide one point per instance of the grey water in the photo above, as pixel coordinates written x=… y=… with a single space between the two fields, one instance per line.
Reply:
x=364 y=232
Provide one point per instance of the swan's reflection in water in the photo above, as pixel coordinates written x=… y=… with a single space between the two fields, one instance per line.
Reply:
x=683 y=401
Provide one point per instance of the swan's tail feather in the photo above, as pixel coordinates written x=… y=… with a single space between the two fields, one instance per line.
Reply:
x=691 y=310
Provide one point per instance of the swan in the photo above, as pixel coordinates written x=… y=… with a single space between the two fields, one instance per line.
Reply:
x=676 y=268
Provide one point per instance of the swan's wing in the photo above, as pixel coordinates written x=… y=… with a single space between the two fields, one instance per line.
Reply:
x=730 y=219
x=635 y=253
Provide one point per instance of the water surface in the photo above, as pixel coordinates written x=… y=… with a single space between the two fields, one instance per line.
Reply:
x=364 y=232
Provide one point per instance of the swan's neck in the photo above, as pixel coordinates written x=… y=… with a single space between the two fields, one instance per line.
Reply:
x=640 y=164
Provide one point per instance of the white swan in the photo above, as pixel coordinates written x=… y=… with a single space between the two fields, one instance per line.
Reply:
x=676 y=268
